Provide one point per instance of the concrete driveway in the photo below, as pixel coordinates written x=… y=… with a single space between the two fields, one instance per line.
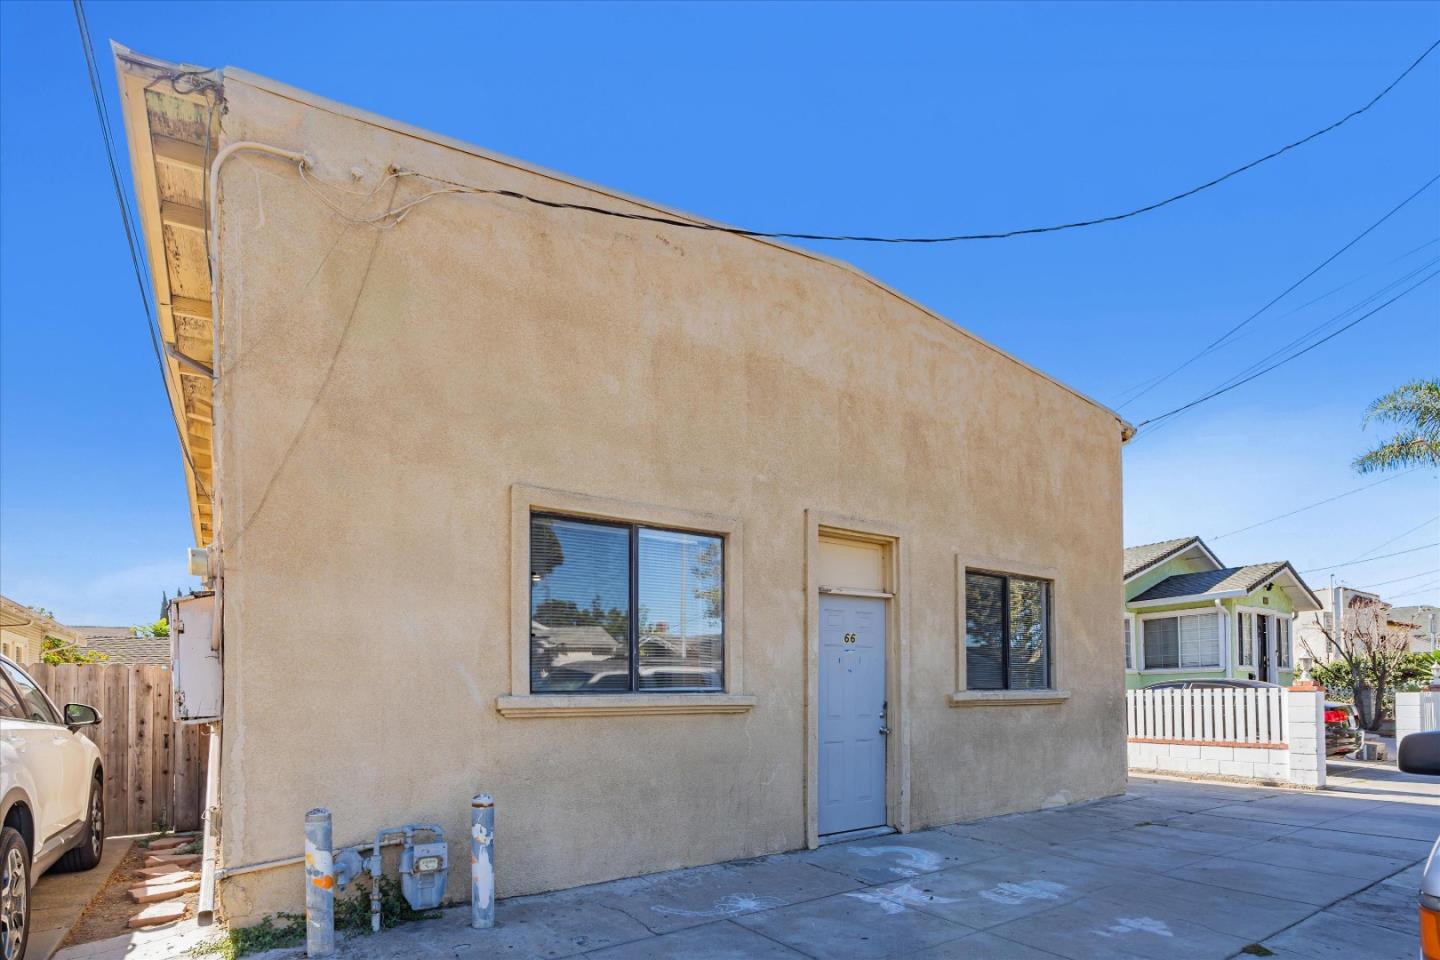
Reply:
x=1172 y=869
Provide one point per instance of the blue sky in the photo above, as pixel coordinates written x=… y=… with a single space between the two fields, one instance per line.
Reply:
x=887 y=119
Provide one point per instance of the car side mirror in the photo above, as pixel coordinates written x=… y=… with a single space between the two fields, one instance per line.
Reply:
x=1420 y=753
x=79 y=715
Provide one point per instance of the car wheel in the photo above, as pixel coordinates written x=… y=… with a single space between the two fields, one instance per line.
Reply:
x=14 y=894
x=86 y=855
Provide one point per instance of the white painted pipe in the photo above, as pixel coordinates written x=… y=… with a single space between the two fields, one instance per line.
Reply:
x=205 y=909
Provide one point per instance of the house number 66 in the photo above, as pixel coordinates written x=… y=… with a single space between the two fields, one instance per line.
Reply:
x=850 y=638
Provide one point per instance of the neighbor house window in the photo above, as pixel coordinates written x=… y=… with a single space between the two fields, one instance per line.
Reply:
x=1007 y=632
x=620 y=608
x=1245 y=624
x=1129 y=659
x=1185 y=642
x=1283 y=655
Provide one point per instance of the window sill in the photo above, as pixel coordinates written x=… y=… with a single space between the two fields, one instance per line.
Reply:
x=1007 y=698
x=621 y=705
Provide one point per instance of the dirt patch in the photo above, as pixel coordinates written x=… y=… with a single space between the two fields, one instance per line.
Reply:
x=111 y=908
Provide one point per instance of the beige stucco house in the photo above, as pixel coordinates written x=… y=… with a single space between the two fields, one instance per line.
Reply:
x=685 y=545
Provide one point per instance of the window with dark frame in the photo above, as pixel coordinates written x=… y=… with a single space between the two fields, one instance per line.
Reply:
x=1007 y=632
x=625 y=608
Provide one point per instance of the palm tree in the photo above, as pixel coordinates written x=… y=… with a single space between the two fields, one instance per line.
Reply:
x=1415 y=407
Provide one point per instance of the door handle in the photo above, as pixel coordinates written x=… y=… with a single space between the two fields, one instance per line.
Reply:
x=884 y=731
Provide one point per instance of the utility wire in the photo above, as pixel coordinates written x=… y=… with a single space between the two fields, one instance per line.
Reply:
x=1314 y=331
x=1223 y=338
x=1413 y=576
x=1321 y=503
x=107 y=135
x=1429 y=586
x=1401 y=536
x=1280 y=363
x=1383 y=556
x=1342 y=315
x=862 y=238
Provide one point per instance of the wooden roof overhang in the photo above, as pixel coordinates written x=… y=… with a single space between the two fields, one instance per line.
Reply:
x=172 y=122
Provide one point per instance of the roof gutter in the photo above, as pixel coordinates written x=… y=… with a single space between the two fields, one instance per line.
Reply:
x=1189 y=598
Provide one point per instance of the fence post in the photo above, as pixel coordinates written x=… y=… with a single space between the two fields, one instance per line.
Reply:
x=1416 y=711
x=482 y=862
x=1305 y=710
x=319 y=885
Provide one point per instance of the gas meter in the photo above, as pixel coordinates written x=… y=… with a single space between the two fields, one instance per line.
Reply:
x=423 y=869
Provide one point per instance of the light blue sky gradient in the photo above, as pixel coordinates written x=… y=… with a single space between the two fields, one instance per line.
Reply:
x=884 y=119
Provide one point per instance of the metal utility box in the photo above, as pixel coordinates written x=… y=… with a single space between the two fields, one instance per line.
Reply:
x=423 y=869
x=196 y=679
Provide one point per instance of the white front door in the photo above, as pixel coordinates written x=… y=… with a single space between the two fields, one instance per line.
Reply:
x=852 y=713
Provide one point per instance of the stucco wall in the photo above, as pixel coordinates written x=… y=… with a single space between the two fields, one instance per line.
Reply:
x=382 y=390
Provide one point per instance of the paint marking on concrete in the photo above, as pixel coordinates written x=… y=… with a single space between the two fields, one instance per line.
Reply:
x=1127 y=925
x=897 y=899
x=913 y=860
x=727 y=906
x=1016 y=893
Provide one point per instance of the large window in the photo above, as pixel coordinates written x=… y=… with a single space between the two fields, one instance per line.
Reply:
x=1189 y=642
x=620 y=608
x=1007 y=632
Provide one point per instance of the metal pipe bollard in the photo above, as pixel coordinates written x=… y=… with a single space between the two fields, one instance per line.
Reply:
x=319 y=885
x=482 y=862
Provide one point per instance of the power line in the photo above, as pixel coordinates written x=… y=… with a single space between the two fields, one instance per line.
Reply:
x=1319 y=327
x=860 y=238
x=1402 y=536
x=1321 y=503
x=1413 y=576
x=1383 y=556
x=1429 y=586
x=1280 y=363
x=107 y=135
x=1316 y=330
x=1221 y=340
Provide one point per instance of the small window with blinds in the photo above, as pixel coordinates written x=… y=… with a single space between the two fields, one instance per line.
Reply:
x=1007 y=632
x=1129 y=658
x=624 y=608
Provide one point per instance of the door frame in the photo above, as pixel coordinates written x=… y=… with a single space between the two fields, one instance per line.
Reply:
x=894 y=546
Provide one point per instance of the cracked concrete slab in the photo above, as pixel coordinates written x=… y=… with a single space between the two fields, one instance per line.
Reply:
x=1195 y=881
x=873 y=922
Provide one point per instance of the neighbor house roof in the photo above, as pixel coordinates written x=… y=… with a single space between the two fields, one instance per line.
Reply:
x=133 y=649
x=1142 y=558
x=1228 y=582
x=103 y=633
x=36 y=624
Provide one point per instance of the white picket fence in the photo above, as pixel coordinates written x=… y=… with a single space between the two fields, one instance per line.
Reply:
x=1235 y=716
x=1269 y=734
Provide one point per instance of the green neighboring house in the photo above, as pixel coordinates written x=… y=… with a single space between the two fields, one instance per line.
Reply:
x=1188 y=616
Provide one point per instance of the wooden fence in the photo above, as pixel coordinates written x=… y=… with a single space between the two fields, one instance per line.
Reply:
x=154 y=768
x=1240 y=716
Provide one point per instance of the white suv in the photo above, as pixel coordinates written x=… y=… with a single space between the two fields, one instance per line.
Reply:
x=52 y=792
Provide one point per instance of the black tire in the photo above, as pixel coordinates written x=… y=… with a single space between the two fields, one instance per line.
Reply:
x=14 y=895
x=86 y=854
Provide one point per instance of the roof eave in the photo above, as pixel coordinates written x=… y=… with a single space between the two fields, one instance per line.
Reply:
x=1192 y=598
